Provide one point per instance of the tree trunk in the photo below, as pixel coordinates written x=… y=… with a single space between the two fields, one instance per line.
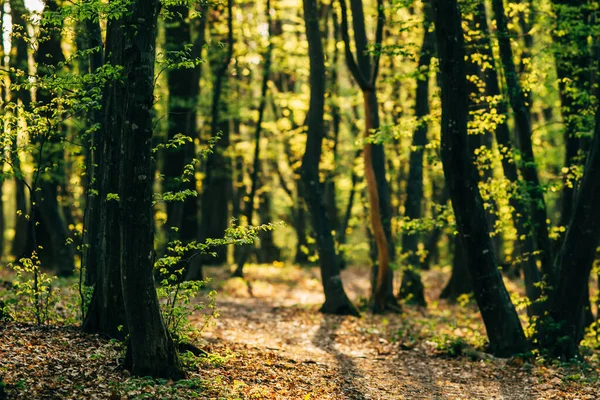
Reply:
x=131 y=42
x=537 y=204
x=499 y=315
x=90 y=37
x=411 y=289
x=50 y=225
x=525 y=242
x=19 y=60
x=572 y=57
x=184 y=89
x=217 y=186
x=336 y=300
x=254 y=177
x=364 y=70
x=574 y=262
x=460 y=280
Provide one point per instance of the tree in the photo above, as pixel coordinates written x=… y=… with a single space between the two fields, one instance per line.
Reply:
x=19 y=60
x=527 y=166
x=411 y=288
x=364 y=69
x=254 y=177
x=217 y=186
x=336 y=300
x=562 y=333
x=500 y=318
x=128 y=104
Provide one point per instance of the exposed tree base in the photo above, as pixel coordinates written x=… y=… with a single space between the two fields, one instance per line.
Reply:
x=169 y=369
x=412 y=290
x=390 y=305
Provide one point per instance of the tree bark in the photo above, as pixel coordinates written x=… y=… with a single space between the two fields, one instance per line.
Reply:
x=336 y=300
x=131 y=42
x=499 y=315
x=574 y=262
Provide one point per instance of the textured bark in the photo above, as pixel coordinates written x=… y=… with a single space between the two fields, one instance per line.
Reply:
x=574 y=262
x=411 y=288
x=336 y=300
x=131 y=43
x=537 y=204
x=217 y=187
x=499 y=315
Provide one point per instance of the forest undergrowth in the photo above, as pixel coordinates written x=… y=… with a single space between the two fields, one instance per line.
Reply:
x=270 y=342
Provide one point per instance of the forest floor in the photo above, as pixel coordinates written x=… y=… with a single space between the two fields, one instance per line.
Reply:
x=270 y=342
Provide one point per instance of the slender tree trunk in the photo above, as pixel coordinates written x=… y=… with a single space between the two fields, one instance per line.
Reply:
x=50 y=225
x=19 y=60
x=525 y=244
x=217 y=186
x=254 y=177
x=527 y=166
x=184 y=89
x=90 y=37
x=336 y=300
x=499 y=315
x=411 y=289
x=364 y=71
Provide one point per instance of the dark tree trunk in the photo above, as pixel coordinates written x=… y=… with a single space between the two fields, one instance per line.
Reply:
x=184 y=89
x=106 y=313
x=131 y=43
x=217 y=187
x=534 y=190
x=499 y=315
x=269 y=252
x=573 y=62
x=303 y=248
x=411 y=288
x=51 y=231
x=254 y=177
x=460 y=280
x=336 y=300
x=19 y=60
x=574 y=262
x=524 y=246
x=90 y=37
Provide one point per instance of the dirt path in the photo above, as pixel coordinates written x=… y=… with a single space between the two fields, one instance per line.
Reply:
x=361 y=351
